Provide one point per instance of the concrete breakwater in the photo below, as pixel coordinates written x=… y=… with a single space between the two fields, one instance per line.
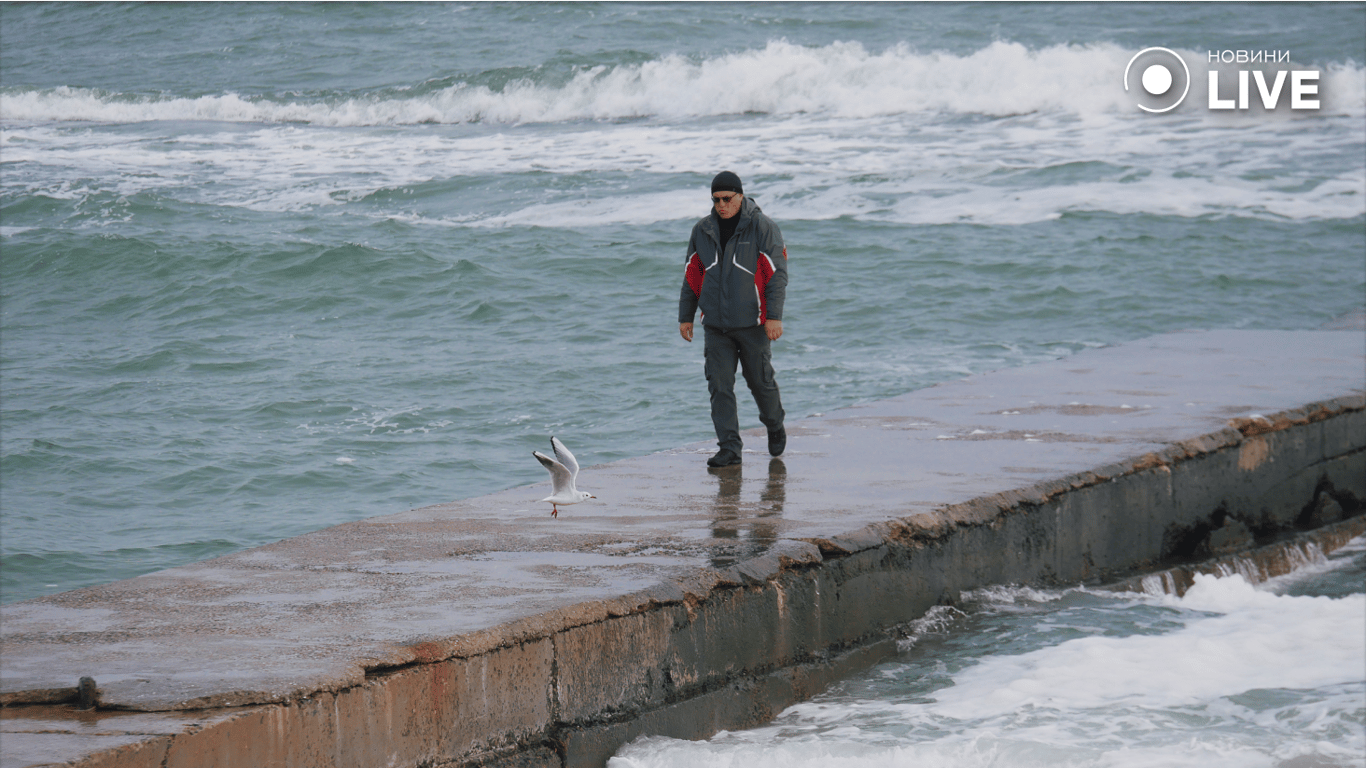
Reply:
x=483 y=632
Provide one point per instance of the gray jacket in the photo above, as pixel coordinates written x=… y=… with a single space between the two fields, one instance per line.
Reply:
x=745 y=285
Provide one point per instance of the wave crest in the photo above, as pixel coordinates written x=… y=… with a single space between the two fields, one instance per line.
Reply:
x=842 y=79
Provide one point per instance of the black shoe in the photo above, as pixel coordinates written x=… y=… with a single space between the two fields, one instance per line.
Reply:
x=777 y=441
x=724 y=458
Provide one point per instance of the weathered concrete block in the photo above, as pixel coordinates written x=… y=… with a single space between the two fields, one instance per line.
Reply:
x=1347 y=475
x=614 y=666
x=1231 y=537
x=506 y=694
x=1204 y=484
x=874 y=590
x=799 y=622
x=264 y=735
x=743 y=630
x=1274 y=506
x=811 y=679
x=1342 y=433
x=530 y=757
x=439 y=711
x=850 y=596
x=1326 y=511
x=741 y=704
x=726 y=635
x=1265 y=461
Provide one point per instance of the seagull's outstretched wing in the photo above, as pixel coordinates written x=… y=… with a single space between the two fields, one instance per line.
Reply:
x=560 y=478
x=566 y=458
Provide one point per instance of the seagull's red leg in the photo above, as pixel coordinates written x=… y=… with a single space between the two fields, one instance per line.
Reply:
x=554 y=511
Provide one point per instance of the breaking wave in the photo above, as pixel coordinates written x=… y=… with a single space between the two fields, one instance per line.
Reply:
x=843 y=79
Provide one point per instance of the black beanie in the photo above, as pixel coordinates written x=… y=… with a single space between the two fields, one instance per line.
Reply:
x=726 y=181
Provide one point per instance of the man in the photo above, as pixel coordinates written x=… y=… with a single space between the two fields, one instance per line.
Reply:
x=736 y=274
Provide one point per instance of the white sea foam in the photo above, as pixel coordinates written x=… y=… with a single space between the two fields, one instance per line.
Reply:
x=974 y=751
x=1238 y=676
x=843 y=79
x=1282 y=642
x=807 y=168
x=845 y=133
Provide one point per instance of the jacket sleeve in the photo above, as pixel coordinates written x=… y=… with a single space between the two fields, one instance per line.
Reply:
x=692 y=282
x=775 y=292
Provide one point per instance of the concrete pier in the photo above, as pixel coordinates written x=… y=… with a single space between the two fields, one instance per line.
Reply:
x=684 y=601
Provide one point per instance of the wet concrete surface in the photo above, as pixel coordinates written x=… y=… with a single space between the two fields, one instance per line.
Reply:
x=315 y=613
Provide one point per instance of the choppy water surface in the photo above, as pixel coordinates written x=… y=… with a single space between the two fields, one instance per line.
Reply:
x=1230 y=675
x=265 y=269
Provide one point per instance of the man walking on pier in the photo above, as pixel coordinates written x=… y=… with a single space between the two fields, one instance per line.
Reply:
x=736 y=273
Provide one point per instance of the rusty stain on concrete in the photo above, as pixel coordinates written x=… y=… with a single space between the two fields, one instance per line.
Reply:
x=1253 y=453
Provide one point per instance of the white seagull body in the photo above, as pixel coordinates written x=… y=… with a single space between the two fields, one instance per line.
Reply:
x=564 y=468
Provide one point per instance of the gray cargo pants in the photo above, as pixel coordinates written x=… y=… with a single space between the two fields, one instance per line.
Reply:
x=750 y=348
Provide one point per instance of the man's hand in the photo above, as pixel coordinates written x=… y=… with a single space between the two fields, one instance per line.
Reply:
x=774 y=329
x=685 y=330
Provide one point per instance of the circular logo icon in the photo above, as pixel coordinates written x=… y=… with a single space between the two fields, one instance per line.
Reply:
x=1162 y=79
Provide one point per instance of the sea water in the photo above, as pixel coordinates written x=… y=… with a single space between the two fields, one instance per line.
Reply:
x=1230 y=675
x=270 y=268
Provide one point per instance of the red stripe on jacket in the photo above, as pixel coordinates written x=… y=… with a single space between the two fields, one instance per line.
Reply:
x=763 y=271
x=695 y=274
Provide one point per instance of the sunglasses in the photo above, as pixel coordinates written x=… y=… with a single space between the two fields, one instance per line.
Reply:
x=722 y=199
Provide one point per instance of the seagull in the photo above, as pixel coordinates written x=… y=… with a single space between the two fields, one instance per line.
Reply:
x=562 y=475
